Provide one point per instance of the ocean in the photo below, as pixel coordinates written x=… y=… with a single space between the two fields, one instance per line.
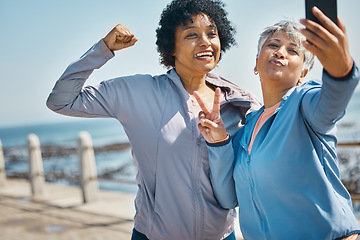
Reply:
x=63 y=168
x=116 y=169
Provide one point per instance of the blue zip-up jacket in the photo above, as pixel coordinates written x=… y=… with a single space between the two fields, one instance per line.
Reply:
x=289 y=186
x=175 y=199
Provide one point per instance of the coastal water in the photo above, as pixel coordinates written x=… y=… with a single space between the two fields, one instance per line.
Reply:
x=63 y=168
x=116 y=169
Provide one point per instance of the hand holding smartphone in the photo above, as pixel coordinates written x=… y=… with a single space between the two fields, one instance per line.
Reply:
x=329 y=43
x=328 y=7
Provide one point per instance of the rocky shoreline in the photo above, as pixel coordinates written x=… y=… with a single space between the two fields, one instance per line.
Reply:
x=19 y=154
x=348 y=155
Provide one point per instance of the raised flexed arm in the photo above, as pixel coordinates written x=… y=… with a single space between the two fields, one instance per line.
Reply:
x=119 y=38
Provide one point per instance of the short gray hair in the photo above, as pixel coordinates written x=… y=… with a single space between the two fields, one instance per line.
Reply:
x=293 y=31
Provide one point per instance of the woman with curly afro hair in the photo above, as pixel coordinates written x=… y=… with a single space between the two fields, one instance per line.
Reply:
x=179 y=13
x=159 y=114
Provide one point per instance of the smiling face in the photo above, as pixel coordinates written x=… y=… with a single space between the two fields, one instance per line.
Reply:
x=197 y=46
x=280 y=61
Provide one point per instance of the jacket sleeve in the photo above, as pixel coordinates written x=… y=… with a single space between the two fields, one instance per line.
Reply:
x=322 y=107
x=68 y=96
x=221 y=158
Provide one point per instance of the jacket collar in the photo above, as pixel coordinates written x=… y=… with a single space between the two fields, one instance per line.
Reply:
x=233 y=93
x=285 y=97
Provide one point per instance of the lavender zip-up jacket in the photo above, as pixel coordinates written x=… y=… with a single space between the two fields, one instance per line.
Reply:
x=175 y=199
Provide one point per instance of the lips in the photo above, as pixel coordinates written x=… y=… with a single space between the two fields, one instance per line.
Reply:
x=277 y=62
x=204 y=55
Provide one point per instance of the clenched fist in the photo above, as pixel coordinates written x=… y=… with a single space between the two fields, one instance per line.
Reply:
x=119 y=38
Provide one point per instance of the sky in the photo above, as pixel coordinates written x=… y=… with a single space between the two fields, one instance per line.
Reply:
x=39 y=39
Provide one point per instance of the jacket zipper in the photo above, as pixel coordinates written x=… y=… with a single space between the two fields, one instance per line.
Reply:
x=253 y=197
x=195 y=175
x=197 y=192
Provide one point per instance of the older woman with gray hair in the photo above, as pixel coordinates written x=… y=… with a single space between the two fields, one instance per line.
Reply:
x=281 y=168
x=293 y=32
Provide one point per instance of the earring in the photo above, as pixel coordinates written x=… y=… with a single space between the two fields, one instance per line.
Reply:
x=256 y=72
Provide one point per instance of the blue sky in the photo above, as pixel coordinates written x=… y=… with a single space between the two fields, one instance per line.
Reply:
x=40 y=38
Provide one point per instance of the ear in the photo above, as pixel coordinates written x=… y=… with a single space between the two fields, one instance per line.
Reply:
x=256 y=65
x=302 y=76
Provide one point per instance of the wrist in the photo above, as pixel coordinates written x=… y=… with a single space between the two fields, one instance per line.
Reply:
x=348 y=75
x=220 y=143
x=344 y=74
x=349 y=69
x=222 y=140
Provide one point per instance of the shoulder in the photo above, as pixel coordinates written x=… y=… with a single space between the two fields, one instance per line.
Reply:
x=233 y=91
x=137 y=79
x=254 y=114
x=314 y=85
x=224 y=83
x=143 y=84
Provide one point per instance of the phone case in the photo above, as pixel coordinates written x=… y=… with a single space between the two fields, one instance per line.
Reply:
x=328 y=7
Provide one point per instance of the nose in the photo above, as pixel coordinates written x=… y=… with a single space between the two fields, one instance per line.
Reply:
x=204 y=40
x=280 y=52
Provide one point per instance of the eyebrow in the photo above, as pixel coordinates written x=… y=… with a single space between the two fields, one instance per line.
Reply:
x=191 y=27
x=278 y=40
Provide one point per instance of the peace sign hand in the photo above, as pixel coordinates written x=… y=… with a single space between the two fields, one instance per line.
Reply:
x=210 y=123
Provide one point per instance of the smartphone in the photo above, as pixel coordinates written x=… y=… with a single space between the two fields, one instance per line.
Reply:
x=328 y=7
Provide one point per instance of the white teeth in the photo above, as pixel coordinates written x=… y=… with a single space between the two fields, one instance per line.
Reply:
x=204 y=54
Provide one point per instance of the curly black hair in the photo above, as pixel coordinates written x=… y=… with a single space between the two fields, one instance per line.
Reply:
x=179 y=12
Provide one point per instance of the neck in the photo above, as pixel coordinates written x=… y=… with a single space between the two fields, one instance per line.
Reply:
x=273 y=95
x=197 y=83
x=192 y=82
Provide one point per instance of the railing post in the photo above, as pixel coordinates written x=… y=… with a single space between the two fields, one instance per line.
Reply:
x=88 y=174
x=36 y=171
x=2 y=167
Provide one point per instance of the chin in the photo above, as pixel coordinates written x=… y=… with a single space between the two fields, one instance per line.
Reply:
x=209 y=68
